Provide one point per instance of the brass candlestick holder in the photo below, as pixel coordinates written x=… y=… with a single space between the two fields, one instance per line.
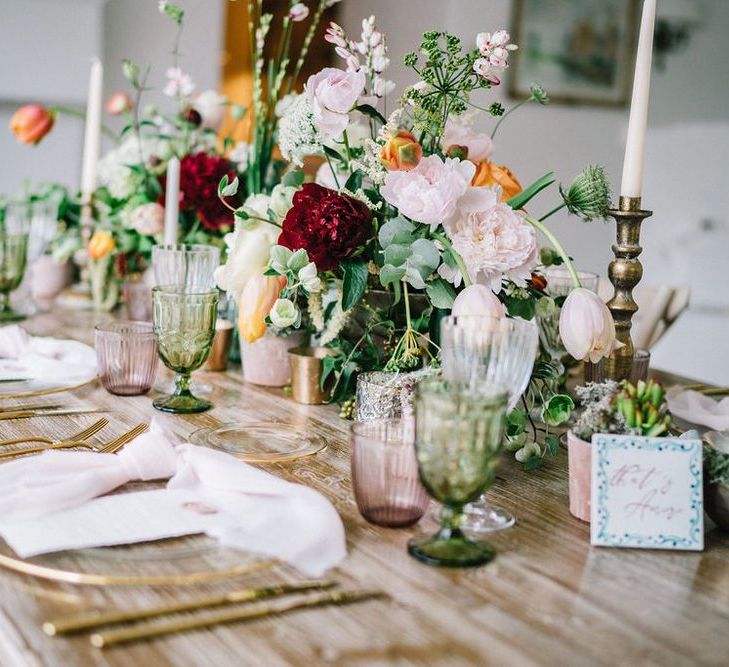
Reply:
x=625 y=272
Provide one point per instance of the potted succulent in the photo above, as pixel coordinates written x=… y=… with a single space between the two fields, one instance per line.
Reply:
x=609 y=407
x=716 y=478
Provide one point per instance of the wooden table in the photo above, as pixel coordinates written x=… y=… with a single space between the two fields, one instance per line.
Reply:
x=549 y=597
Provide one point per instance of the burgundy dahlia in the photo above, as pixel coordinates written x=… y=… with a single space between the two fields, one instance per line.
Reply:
x=328 y=225
x=200 y=174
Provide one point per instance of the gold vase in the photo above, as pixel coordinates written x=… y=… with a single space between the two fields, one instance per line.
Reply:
x=307 y=365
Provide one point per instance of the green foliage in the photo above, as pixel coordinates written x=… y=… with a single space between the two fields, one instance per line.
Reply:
x=355 y=282
x=557 y=410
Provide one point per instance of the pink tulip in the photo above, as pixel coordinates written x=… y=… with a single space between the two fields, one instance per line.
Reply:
x=477 y=300
x=259 y=295
x=31 y=123
x=586 y=326
x=118 y=103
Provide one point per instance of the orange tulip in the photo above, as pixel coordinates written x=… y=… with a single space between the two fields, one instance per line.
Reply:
x=489 y=174
x=257 y=299
x=100 y=244
x=402 y=152
x=31 y=123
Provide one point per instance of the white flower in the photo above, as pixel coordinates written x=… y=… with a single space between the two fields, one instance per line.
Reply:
x=114 y=172
x=257 y=206
x=483 y=68
x=283 y=314
x=332 y=93
x=494 y=242
x=298 y=12
x=211 y=107
x=248 y=250
x=162 y=6
x=429 y=193
x=282 y=200
x=479 y=145
x=326 y=178
x=309 y=278
x=297 y=134
x=148 y=219
x=284 y=104
x=178 y=83
x=239 y=154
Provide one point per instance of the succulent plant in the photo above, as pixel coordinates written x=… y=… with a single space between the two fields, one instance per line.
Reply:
x=643 y=407
x=626 y=409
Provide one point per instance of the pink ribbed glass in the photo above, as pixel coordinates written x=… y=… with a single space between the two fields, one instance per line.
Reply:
x=385 y=477
x=126 y=355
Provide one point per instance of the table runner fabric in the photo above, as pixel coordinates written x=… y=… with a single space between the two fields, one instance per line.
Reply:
x=49 y=359
x=259 y=512
x=696 y=408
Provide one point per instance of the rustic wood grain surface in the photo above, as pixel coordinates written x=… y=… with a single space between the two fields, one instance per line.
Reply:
x=548 y=598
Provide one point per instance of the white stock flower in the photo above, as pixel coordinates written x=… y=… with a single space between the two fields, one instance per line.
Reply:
x=283 y=314
x=178 y=83
x=309 y=278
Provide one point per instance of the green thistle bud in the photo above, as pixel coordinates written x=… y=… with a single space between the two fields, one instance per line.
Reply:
x=131 y=72
x=589 y=194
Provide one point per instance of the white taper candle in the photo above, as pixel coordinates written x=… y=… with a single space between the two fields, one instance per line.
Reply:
x=172 y=200
x=632 y=184
x=92 y=135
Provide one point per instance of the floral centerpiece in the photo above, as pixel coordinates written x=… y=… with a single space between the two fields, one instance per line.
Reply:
x=413 y=205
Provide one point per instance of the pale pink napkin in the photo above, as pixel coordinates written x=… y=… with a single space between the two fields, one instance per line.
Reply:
x=48 y=359
x=699 y=409
x=257 y=512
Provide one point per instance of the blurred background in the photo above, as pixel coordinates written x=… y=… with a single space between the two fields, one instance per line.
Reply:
x=48 y=44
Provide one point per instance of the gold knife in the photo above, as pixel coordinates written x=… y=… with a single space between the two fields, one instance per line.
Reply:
x=63 y=626
x=24 y=408
x=147 y=630
x=25 y=414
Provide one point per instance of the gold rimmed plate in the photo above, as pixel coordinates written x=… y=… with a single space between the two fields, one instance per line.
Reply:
x=30 y=388
x=178 y=561
x=261 y=442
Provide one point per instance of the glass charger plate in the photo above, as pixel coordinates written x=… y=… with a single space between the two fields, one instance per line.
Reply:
x=269 y=442
x=29 y=388
x=185 y=560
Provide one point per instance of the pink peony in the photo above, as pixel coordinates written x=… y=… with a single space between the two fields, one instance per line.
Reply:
x=477 y=146
x=429 y=193
x=494 y=242
x=148 y=219
x=333 y=93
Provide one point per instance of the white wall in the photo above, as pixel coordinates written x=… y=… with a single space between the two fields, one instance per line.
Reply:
x=685 y=184
x=46 y=49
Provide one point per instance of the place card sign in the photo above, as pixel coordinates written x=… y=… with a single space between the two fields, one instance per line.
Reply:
x=647 y=492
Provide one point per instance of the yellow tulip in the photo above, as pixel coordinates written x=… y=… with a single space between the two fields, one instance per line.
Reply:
x=101 y=244
x=257 y=299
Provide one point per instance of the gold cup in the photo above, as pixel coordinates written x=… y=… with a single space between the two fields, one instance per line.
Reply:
x=306 y=370
x=218 y=359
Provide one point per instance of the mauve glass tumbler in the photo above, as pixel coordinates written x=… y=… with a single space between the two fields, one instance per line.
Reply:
x=126 y=354
x=385 y=477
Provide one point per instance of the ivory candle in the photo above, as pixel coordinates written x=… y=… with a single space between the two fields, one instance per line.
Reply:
x=632 y=184
x=172 y=200
x=92 y=134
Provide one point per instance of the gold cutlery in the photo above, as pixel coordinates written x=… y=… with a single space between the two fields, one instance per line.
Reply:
x=82 y=435
x=73 y=624
x=15 y=408
x=148 y=630
x=109 y=448
x=25 y=414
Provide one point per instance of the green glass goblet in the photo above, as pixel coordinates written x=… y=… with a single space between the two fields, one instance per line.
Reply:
x=458 y=434
x=14 y=229
x=184 y=324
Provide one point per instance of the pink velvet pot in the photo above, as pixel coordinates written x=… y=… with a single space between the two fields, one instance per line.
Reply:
x=49 y=279
x=266 y=361
x=580 y=463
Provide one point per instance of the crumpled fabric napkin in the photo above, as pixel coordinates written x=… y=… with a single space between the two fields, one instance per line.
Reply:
x=697 y=408
x=49 y=359
x=258 y=512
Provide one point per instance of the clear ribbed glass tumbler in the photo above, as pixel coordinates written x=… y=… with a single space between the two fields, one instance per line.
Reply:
x=126 y=354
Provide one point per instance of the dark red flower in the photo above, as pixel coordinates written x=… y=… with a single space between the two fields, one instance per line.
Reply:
x=200 y=174
x=328 y=225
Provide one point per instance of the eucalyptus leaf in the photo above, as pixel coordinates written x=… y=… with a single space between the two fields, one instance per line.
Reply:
x=391 y=274
x=397 y=254
x=441 y=293
x=293 y=179
x=397 y=230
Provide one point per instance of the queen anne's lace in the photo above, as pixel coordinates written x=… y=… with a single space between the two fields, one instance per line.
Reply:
x=297 y=134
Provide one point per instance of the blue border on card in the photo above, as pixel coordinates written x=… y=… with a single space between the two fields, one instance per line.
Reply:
x=602 y=443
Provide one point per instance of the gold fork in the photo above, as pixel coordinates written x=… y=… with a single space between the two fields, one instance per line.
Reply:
x=83 y=435
x=109 y=448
